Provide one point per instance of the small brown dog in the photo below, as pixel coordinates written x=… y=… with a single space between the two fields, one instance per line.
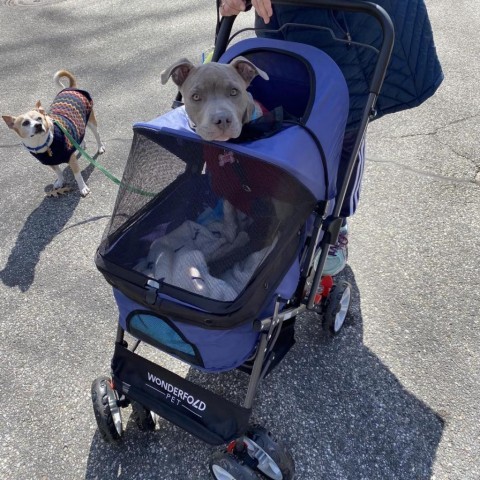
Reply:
x=43 y=138
x=215 y=95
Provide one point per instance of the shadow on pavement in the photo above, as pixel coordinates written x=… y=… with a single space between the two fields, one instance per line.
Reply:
x=40 y=228
x=342 y=412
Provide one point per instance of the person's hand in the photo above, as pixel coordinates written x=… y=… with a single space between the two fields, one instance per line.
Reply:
x=231 y=7
x=234 y=7
x=263 y=8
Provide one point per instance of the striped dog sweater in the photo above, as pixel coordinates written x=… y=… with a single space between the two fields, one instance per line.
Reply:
x=71 y=108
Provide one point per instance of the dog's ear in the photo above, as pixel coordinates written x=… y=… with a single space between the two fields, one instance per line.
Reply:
x=38 y=106
x=9 y=120
x=247 y=70
x=179 y=72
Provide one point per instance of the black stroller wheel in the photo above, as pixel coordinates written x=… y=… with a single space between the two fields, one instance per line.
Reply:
x=273 y=457
x=106 y=409
x=142 y=417
x=226 y=466
x=337 y=306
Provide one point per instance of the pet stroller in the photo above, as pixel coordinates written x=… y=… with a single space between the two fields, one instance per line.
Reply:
x=214 y=248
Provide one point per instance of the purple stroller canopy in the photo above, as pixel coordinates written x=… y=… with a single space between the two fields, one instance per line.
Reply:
x=309 y=86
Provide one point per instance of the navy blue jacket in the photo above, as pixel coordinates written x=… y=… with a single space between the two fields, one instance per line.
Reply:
x=414 y=73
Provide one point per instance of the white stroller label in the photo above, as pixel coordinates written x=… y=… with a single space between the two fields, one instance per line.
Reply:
x=175 y=394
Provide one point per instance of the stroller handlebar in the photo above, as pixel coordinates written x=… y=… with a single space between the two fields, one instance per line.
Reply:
x=356 y=6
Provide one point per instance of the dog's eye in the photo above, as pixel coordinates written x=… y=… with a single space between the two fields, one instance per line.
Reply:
x=233 y=92
x=25 y=123
x=195 y=97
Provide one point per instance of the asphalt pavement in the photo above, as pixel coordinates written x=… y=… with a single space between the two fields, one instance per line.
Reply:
x=396 y=396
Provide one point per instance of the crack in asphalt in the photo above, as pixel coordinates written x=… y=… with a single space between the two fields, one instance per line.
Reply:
x=442 y=178
x=461 y=155
x=434 y=132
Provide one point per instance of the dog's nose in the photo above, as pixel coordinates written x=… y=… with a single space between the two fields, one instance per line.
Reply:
x=38 y=128
x=222 y=121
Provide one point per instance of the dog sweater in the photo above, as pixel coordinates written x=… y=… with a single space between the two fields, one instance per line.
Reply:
x=71 y=108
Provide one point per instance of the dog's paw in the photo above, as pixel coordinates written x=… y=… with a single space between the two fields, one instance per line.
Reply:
x=101 y=149
x=84 y=191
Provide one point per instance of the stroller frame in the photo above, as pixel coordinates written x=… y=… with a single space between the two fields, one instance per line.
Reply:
x=109 y=396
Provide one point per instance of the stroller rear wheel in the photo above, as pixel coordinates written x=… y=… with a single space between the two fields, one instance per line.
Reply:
x=226 y=466
x=106 y=409
x=142 y=417
x=337 y=306
x=274 y=459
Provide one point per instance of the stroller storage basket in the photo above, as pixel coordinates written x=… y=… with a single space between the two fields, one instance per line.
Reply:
x=212 y=350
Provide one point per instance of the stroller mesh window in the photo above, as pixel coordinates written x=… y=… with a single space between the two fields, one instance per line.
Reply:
x=143 y=178
x=216 y=217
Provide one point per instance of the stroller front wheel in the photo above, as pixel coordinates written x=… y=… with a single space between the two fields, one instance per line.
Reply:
x=106 y=409
x=226 y=466
x=337 y=306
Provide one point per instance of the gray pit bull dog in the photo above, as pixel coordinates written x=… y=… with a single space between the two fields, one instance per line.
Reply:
x=215 y=95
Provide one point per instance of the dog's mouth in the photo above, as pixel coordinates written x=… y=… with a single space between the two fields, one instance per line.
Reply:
x=212 y=134
x=224 y=138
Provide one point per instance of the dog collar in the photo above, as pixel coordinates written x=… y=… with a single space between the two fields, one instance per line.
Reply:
x=46 y=144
